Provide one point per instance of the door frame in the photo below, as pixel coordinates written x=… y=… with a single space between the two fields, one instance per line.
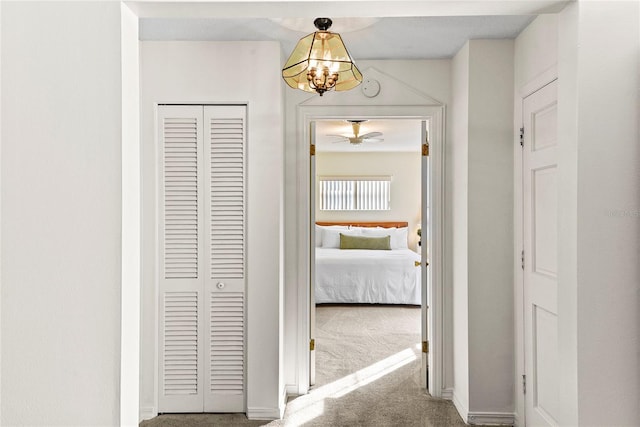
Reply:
x=537 y=83
x=435 y=114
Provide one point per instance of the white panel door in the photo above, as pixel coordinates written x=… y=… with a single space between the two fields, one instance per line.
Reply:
x=202 y=247
x=540 y=223
x=180 y=213
x=224 y=280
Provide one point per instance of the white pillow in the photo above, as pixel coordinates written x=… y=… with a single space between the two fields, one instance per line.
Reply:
x=319 y=229
x=377 y=231
x=398 y=235
x=331 y=237
x=380 y=232
x=399 y=238
x=359 y=229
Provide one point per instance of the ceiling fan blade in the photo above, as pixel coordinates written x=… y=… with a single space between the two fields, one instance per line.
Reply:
x=373 y=139
x=338 y=136
x=371 y=135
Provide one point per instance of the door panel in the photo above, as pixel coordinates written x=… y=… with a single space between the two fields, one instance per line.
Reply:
x=545 y=255
x=540 y=221
x=181 y=376
x=224 y=262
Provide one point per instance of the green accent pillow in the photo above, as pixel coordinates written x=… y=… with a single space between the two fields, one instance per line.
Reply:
x=361 y=242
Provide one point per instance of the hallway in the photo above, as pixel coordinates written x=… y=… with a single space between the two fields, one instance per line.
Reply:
x=368 y=374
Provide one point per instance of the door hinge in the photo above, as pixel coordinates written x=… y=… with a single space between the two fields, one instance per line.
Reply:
x=522 y=258
x=312 y=149
x=312 y=344
x=425 y=149
x=524 y=384
x=425 y=346
x=522 y=136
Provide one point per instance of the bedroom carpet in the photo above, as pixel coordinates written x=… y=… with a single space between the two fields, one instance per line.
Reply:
x=368 y=361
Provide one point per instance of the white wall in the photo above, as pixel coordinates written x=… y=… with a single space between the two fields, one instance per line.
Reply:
x=131 y=223
x=404 y=168
x=61 y=213
x=0 y=212
x=490 y=222
x=482 y=156
x=430 y=77
x=599 y=208
x=459 y=160
x=214 y=73
x=535 y=50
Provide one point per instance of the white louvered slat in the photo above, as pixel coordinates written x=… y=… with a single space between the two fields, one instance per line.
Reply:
x=227 y=216
x=227 y=344
x=180 y=345
x=180 y=198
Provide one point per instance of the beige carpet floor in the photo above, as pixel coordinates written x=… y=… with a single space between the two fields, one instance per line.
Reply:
x=368 y=374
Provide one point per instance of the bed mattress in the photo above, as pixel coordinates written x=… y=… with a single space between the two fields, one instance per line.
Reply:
x=367 y=276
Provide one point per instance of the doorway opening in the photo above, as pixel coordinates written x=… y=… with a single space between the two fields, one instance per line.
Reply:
x=367 y=290
x=431 y=117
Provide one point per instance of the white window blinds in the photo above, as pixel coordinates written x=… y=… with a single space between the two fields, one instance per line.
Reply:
x=354 y=193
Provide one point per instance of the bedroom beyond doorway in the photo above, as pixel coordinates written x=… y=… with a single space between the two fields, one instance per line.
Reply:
x=368 y=197
x=429 y=205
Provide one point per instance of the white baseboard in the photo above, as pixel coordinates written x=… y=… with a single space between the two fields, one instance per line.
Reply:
x=264 y=413
x=516 y=420
x=292 y=390
x=447 y=393
x=147 y=412
x=462 y=409
x=491 y=418
x=283 y=402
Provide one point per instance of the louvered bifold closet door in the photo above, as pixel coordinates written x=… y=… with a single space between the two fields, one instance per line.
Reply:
x=181 y=302
x=225 y=195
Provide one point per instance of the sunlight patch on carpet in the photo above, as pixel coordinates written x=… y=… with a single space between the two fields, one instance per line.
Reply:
x=311 y=405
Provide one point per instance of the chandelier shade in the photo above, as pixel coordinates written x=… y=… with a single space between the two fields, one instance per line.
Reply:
x=320 y=62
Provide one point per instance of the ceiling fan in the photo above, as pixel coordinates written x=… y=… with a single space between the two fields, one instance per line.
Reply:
x=357 y=139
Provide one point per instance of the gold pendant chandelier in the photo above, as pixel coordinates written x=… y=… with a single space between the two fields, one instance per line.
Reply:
x=320 y=62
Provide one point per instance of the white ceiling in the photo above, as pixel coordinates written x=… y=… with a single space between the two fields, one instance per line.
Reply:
x=400 y=29
x=384 y=38
x=398 y=135
x=419 y=37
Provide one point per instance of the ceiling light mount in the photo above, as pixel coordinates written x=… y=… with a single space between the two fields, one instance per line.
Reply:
x=320 y=62
x=323 y=24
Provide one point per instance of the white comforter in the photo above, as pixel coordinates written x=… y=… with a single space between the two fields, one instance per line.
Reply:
x=367 y=276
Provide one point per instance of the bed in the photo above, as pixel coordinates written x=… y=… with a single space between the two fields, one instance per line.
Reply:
x=368 y=276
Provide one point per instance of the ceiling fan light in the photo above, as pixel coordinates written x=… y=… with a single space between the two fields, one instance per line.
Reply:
x=320 y=62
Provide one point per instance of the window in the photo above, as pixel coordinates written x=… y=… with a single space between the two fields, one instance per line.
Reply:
x=355 y=193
